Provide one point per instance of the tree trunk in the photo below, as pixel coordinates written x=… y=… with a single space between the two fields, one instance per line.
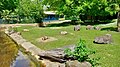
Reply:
x=118 y=22
x=41 y=24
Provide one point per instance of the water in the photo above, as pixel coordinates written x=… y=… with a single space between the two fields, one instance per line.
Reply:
x=21 y=61
x=9 y=50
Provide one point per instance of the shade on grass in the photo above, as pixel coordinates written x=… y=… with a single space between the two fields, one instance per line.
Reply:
x=109 y=53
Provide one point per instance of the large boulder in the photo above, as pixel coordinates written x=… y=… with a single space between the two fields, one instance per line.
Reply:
x=106 y=39
x=76 y=63
x=77 y=28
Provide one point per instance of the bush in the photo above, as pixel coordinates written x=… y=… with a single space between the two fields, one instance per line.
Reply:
x=81 y=53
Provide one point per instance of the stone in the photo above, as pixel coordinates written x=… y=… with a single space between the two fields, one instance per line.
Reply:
x=37 y=57
x=25 y=30
x=63 y=32
x=11 y=32
x=106 y=39
x=76 y=63
x=97 y=28
x=118 y=29
x=47 y=63
x=45 y=38
x=77 y=28
x=89 y=27
x=6 y=31
x=19 y=33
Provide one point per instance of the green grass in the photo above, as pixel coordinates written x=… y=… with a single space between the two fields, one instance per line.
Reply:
x=109 y=53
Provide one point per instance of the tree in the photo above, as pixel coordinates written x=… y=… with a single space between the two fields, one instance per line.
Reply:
x=118 y=17
x=118 y=21
x=116 y=6
x=31 y=9
x=8 y=4
x=66 y=7
x=73 y=9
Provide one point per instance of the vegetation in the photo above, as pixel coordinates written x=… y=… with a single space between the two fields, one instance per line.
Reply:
x=22 y=10
x=93 y=9
x=107 y=52
x=118 y=22
x=8 y=50
x=8 y=4
x=75 y=10
x=81 y=53
x=31 y=9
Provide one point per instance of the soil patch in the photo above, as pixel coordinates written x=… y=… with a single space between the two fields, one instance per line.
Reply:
x=47 y=40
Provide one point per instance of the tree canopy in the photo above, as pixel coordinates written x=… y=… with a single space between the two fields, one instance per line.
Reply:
x=21 y=9
x=74 y=8
x=8 y=4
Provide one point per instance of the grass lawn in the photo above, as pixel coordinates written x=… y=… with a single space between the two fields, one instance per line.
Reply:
x=109 y=53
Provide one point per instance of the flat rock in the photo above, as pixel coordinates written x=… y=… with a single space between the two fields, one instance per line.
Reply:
x=63 y=32
x=76 y=63
x=25 y=30
x=105 y=39
x=47 y=63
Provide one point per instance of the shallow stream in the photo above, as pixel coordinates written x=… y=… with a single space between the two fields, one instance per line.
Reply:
x=10 y=55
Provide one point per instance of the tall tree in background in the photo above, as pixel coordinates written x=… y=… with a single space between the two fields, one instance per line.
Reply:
x=116 y=6
x=118 y=17
x=31 y=8
x=9 y=5
x=74 y=8
x=7 y=8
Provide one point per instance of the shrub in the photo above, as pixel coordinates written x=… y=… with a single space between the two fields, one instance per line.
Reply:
x=81 y=53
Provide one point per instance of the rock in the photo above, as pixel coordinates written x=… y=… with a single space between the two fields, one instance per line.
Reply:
x=106 y=39
x=89 y=27
x=37 y=57
x=59 y=52
x=18 y=33
x=11 y=32
x=76 y=63
x=118 y=29
x=44 y=38
x=97 y=28
x=25 y=30
x=47 y=63
x=63 y=32
x=7 y=31
x=77 y=28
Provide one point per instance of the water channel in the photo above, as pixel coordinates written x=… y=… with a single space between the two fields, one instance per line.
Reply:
x=21 y=61
x=10 y=55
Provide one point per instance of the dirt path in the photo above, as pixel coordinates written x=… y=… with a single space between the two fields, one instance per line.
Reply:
x=33 y=24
